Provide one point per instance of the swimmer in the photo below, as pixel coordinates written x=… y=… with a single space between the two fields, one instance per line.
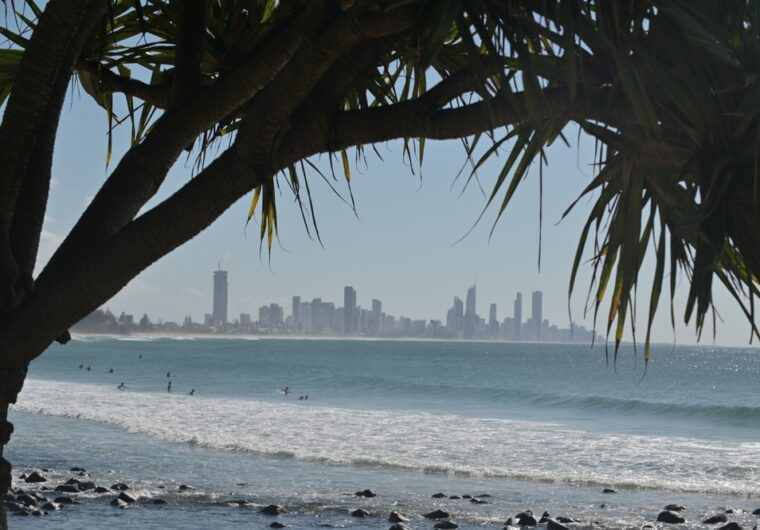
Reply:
x=191 y=393
x=168 y=374
x=307 y=396
x=169 y=387
x=300 y=398
x=286 y=390
x=89 y=368
x=81 y=366
x=110 y=370
x=121 y=386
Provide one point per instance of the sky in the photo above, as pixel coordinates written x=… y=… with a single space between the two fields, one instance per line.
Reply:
x=404 y=245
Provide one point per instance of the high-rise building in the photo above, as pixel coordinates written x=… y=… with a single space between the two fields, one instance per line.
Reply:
x=517 y=317
x=377 y=309
x=349 y=309
x=493 y=324
x=537 y=312
x=219 y=313
x=470 y=316
x=455 y=318
x=296 y=312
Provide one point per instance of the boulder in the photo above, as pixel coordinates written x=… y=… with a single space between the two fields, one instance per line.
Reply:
x=674 y=508
x=756 y=512
x=436 y=514
x=126 y=497
x=715 y=519
x=64 y=500
x=13 y=506
x=396 y=517
x=9 y=497
x=24 y=512
x=276 y=525
x=26 y=499
x=86 y=486
x=525 y=519
x=101 y=489
x=184 y=487
x=467 y=496
x=273 y=509
x=78 y=469
x=565 y=520
x=51 y=506
x=551 y=524
x=669 y=517
x=118 y=503
x=120 y=486
x=439 y=495
x=454 y=497
x=731 y=526
x=34 y=478
x=609 y=490
x=38 y=513
x=478 y=501
x=72 y=482
x=158 y=501
x=366 y=493
x=544 y=517
x=360 y=513
x=445 y=525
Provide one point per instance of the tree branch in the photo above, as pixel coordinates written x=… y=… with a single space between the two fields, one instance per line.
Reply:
x=190 y=21
x=110 y=82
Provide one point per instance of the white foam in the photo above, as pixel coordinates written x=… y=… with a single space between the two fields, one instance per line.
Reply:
x=412 y=440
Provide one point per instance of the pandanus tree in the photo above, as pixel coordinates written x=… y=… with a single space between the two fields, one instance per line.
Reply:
x=668 y=89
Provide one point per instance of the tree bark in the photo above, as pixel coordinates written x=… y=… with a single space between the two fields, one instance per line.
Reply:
x=11 y=382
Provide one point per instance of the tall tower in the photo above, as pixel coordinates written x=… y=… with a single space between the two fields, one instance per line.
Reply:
x=518 y=316
x=349 y=307
x=377 y=309
x=469 y=313
x=493 y=324
x=537 y=312
x=219 y=314
x=296 y=312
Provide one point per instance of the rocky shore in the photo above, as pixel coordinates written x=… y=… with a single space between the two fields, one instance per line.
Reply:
x=43 y=492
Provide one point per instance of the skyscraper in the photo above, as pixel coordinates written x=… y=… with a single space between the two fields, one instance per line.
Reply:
x=518 y=316
x=537 y=312
x=296 y=312
x=470 y=317
x=219 y=314
x=455 y=318
x=349 y=308
x=377 y=309
x=493 y=324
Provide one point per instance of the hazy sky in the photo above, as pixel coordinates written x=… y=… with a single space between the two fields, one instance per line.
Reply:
x=402 y=247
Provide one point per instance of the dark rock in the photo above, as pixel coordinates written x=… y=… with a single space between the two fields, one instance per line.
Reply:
x=118 y=503
x=467 y=496
x=674 y=508
x=756 y=512
x=51 y=506
x=126 y=497
x=38 y=513
x=525 y=519
x=184 y=487
x=609 y=490
x=78 y=469
x=439 y=495
x=715 y=519
x=34 y=478
x=483 y=496
x=602 y=505
x=669 y=517
x=67 y=488
x=46 y=470
x=13 y=506
x=72 y=482
x=83 y=474
x=101 y=489
x=46 y=488
x=86 y=486
x=444 y=525
x=477 y=501
x=565 y=520
x=728 y=510
x=454 y=497
x=276 y=525
x=158 y=501
x=437 y=514
x=551 y=524
x=366 y=493
x=26 y=499
x=23 y=512
x=731 y=526
x=38 y=496
x=544 y=518
x=9 y=497
x=64 y=500
x=273 y=509
x=120 y=486
x=396 y=517
x=360 y=513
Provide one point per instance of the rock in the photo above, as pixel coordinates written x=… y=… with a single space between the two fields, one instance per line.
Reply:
x=399 y=526
x=551 y=524
x=273 y=509
x=437 y=514
x=101 y=489
x=158 y=501
x=360 y=513
x=674 y=508
x=184 y=487
x=64 y=500
x=120 y=486
x=756 y=512
x=454 y=497
x=396 y=517
x=728 y=510
x=715 y=519
x=72 y=482
x=483 y=496
x=565 y=520
x=24 y=512
x=86 y=486
x=78 y=469
x=51 y=506
x=444 y=525
x=544 y=518
x=525 y=519
x=13 y=506
x=26 y=499
x=276 y=525
x=439 y=495
x=477 y=501
x=731 y=526
x=669 y=517
x=366 y=493
x=467 y=496
x=38 y=513
x=126 y=497
x=608 y=490
x=9 y=497
x=34 y=478
x=118 y=503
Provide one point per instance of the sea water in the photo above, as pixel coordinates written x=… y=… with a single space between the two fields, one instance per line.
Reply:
x=535 y=426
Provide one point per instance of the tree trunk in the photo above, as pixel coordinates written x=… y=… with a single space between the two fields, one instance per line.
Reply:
x=11 y=382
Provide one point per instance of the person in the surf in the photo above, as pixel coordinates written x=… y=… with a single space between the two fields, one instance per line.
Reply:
x=286 y=390
x=191 y=393
x=121 y=386
x=169 y=387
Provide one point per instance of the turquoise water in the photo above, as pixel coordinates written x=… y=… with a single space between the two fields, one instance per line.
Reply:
x=537 y=426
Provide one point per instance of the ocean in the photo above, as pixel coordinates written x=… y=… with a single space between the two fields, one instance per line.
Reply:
x=541 y=427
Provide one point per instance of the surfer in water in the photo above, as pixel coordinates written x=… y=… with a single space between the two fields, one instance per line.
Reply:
x=191 y=393
x=121 y=386
x=169 y=387
x=286 y=390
